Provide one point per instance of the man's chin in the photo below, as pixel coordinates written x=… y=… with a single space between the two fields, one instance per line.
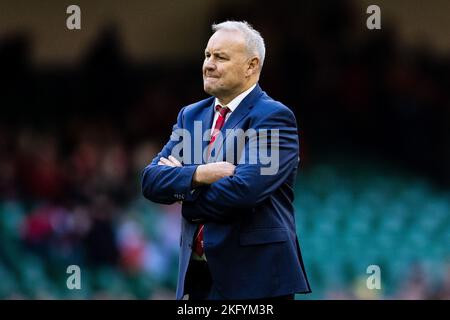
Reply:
x=209 y=90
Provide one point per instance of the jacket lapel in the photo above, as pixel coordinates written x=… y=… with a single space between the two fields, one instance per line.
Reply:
x=239 y=113
x=207 y=119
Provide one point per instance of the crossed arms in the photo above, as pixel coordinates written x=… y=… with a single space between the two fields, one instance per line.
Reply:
x=210 y=191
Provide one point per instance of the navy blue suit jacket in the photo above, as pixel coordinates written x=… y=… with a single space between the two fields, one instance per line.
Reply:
x=250 y=239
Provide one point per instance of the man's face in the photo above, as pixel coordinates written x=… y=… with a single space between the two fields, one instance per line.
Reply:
x=225 y=65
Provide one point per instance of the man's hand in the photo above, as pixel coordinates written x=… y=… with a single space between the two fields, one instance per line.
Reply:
x=171 y=162
x=206 y=173
x=211 y=172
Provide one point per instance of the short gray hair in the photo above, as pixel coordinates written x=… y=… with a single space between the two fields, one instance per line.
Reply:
x=253 y=39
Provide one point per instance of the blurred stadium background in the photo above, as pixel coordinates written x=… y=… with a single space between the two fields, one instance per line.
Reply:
x=82 y=113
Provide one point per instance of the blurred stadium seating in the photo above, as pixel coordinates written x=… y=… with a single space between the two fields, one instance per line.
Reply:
x=352 y=217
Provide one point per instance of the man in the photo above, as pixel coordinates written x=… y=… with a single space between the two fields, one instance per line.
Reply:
x=238 y=238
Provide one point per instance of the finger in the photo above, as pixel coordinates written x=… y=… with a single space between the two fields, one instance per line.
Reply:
x=175 y=160
x=160 y=163
x=167 y=162
x=164 y=161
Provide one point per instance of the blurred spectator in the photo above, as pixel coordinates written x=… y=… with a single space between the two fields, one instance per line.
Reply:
x=100 y=241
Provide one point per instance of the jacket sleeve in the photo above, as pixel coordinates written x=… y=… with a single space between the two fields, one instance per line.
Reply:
x=250 y=185
x=165 y=184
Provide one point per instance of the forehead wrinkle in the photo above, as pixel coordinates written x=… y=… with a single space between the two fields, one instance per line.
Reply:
x=219 y=51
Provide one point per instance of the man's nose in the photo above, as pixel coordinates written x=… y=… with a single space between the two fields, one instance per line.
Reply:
x=209 y=65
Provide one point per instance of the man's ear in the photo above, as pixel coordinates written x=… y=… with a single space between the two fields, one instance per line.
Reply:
x=253 y=66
